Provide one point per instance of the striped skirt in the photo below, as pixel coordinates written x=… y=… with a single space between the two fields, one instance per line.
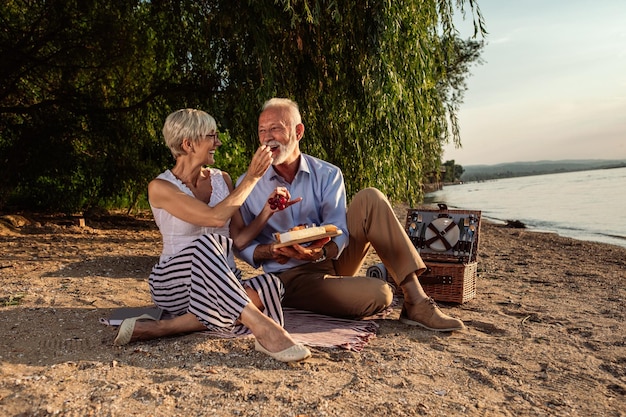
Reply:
x=202 y=279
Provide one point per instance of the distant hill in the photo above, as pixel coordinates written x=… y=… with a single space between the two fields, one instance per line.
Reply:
x=522 y=169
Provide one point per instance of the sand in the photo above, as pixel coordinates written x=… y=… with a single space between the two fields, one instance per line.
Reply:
x=545 y=336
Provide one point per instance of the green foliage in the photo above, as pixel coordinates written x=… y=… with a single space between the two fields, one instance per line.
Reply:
x=378 y=84
x=232 y=156
x=87 y=85
x=453 y=172
x=11 y=300
x=76 y=125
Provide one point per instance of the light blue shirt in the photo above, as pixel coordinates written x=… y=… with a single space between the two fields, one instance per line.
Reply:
x=321 y=186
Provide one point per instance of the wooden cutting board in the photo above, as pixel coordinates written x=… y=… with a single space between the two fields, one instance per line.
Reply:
x=308 y=239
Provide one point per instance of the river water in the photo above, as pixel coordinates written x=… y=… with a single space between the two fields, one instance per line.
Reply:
x=585 y=205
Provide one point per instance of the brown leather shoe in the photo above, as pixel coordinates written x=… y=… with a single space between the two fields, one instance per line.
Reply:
x=427 y=315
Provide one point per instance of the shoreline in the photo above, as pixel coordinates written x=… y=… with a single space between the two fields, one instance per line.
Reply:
x=616 y=240
x=545 y=336
x=581 y=205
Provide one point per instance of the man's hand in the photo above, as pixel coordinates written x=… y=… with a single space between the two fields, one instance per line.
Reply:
x=308 y=253
x=280 y=199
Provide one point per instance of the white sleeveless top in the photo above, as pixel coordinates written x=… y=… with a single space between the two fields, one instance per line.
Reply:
x=178 y=234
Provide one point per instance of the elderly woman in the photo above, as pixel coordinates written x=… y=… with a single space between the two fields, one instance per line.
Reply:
x=196 y=279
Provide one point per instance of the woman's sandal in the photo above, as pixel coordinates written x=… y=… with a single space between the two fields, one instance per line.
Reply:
x=294 y=353
x=125 y=333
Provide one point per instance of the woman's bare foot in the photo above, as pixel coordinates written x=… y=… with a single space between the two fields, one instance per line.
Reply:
x=145 y=330
x=267 y=332
x=275 y=340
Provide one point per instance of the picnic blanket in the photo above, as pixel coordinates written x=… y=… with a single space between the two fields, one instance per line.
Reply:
x=318 y=330
x=311 y=329
x=323 y=331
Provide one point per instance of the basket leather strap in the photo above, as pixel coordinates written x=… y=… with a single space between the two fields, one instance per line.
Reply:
x=435 y=280
x=439 y=235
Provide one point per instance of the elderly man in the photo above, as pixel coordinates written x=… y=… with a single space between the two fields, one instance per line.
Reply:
x=320 y=277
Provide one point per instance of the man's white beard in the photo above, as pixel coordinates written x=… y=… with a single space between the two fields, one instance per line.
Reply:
x=284 y=151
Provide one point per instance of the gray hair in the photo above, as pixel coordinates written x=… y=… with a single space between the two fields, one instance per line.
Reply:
x=184 y=124
x=285 y=103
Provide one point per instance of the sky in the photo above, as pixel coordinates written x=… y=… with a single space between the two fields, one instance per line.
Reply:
x=552 y=85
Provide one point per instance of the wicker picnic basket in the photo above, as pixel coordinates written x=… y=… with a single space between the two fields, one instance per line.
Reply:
x=447 y=241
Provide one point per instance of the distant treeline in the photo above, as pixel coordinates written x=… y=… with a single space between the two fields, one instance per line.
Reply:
x=524 y=169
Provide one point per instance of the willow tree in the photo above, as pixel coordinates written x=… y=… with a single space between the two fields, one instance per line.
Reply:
x=78 y=87
x=377 y=81
x=87 y=85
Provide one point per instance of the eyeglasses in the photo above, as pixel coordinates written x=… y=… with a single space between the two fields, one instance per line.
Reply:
x=214 y=136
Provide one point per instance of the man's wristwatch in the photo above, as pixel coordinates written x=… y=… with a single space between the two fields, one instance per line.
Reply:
x=323 y=257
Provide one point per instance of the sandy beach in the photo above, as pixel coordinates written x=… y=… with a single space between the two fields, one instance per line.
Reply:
x=546 y=336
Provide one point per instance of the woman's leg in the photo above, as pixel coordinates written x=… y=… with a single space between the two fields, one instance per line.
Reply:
x=266 y=292
x=152 y=329
x=266 y=331
x=217 y=299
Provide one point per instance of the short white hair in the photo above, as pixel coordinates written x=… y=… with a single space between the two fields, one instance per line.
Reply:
x=189 y=124
x=285 y=103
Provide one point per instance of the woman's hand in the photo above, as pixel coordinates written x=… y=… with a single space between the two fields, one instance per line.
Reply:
x=260 y=162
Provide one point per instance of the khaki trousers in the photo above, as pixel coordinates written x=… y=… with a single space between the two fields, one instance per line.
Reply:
x=331 y=287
